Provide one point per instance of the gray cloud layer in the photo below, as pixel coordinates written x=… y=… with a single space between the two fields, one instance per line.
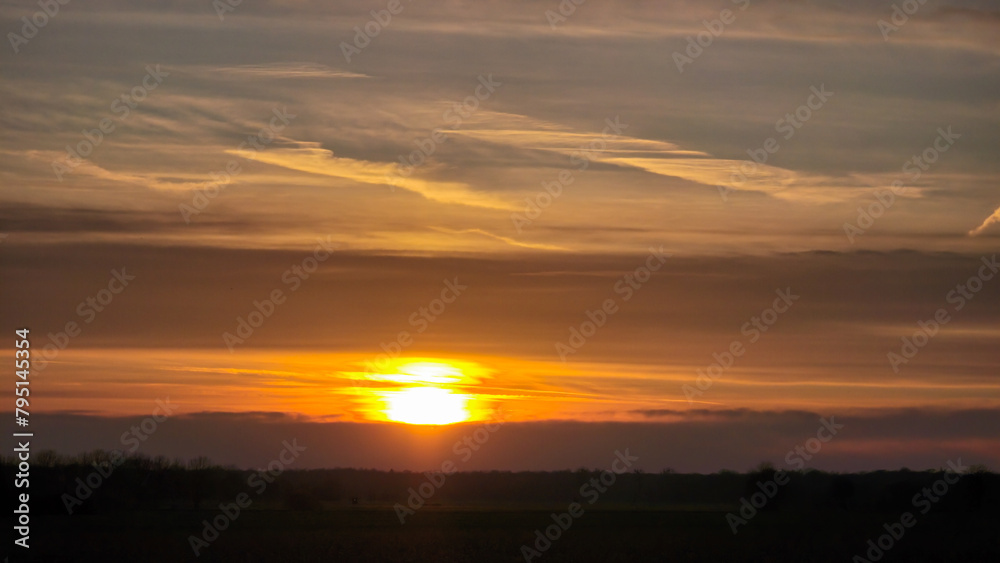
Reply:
x=704 y=442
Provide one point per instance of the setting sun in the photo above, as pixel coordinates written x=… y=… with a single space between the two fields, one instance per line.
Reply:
x=431 y=391
x=427 y=405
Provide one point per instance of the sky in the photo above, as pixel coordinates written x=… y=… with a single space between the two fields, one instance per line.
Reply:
x=695 y=229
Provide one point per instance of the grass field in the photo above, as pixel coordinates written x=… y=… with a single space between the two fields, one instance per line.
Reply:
x=453 y=534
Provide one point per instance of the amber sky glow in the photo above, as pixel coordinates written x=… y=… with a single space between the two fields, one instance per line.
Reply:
x=595 y=112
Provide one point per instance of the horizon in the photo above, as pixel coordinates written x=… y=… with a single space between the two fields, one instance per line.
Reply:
x=515 y=446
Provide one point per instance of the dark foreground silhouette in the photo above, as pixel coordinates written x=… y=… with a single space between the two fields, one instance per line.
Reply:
x=152 y=510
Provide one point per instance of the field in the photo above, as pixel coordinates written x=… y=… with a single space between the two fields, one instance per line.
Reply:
x=445 y=535
x=154 y=511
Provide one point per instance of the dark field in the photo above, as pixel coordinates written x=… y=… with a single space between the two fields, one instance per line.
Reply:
x=149 y=511
x=481 y=535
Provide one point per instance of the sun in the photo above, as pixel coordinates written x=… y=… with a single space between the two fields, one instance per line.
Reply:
x=427 y=405
x=424 y=391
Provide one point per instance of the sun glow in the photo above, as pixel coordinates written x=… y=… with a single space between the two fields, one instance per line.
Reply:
x=427 y=405
x=428 y=391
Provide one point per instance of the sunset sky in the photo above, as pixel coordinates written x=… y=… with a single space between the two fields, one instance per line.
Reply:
x=429 y=220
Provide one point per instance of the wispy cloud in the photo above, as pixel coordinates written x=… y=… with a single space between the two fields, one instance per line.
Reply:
x=313 y=159
x=284 y=70
x=995 y=218
x=506 y=240
x=663 y=158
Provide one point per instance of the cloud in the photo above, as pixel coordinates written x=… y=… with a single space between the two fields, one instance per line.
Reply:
x=312 y=159
x=995 y=218
x=283 y=70
x=168 y=181
x=661 y=158
x=689 y=132
x=506 y=240
x=920 y=439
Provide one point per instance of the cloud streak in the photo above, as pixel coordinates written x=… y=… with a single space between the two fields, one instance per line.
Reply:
x=992 y=219
x=313 y=159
